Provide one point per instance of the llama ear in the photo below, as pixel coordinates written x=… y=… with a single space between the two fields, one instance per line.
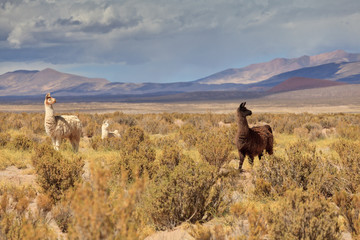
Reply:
x=242 y=104
x=47 y=95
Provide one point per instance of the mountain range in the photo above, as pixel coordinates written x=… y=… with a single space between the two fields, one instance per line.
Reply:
x=335 y=68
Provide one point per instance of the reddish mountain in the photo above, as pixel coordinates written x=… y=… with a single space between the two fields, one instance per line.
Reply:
x=262 y=71
x=40 y=82
x=298 y=83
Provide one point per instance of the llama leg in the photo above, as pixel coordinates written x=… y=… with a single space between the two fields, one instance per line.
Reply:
x=251 y=160
x=241 y=157
x=53 y=142
x=57 y=144
x=269 y=147
x=75 y=143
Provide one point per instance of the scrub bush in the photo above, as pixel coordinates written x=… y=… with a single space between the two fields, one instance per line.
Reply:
x=183 y=194
x=55 y=173
x=303 y=215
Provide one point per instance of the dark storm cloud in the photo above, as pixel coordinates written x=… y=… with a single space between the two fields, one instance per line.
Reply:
x=67 y=21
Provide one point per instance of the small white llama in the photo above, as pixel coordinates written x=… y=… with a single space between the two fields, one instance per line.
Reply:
x=105 y=133
x=60 y=127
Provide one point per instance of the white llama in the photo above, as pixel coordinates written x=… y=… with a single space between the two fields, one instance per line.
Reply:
x=60 y=127
x=105 y=133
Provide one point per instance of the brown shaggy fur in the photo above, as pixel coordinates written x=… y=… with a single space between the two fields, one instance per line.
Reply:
x=252 y=141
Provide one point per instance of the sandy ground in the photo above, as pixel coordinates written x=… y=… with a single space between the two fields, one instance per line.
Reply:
x=257 y=106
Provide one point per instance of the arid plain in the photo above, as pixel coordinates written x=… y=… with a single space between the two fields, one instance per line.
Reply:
x=283 y=104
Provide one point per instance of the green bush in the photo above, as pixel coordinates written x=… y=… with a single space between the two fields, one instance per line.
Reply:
x=55 y=173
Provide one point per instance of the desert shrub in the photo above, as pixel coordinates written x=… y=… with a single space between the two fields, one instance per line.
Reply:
x=303 y=215
x=349 y=152
x=15 y=123
x=348 y=131
x=106 y=144
x=156 y=124
x=133 y=136
x=349 y=205
x=125 y=119
x=160 y=141
x=314 y=130
x=171 y=155
x=92 y=129
x=45 y=203
x=189 y=134
x=109 y=213
x=4 y=139
x=62 y=214
x=16 y=222
x=301 y=132
x=21 y=142
x=55 y=173
x=135 y=163
x=136 y=154
x=182 y=194
x=285 y=123
x=328 y=178
x=328 y=121
x=36 y=124
x=215 y=147
x=290 y=171
x=201 y=121
x=231 y=133
x=255 y=216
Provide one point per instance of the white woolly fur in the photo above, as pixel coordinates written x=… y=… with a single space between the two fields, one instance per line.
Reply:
x=60 y=127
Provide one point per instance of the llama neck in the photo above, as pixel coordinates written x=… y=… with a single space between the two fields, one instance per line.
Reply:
x=50 y=122
x=49 y=111
x=104 y=132
x=243 y=126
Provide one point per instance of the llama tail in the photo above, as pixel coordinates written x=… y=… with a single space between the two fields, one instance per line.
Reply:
x=269 y=128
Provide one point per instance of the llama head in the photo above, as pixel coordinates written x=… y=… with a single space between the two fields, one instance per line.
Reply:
x=105 y=124
x=242 y=111
x=49 y=100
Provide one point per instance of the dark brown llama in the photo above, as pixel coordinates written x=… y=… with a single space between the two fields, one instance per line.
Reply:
x=252 y=141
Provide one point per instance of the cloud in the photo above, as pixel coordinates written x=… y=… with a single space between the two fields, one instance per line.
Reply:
x=181 y=34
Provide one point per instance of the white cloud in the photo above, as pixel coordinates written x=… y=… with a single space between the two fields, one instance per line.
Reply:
x=209 y=33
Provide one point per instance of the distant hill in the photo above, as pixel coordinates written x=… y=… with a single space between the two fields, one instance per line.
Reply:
x=348 y=91
x=39 y=82
x=256 y=80
x=299 y=83
x=263 y=71
x=342 y=72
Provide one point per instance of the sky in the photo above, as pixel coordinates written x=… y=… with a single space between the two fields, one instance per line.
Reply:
x=169 y=40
